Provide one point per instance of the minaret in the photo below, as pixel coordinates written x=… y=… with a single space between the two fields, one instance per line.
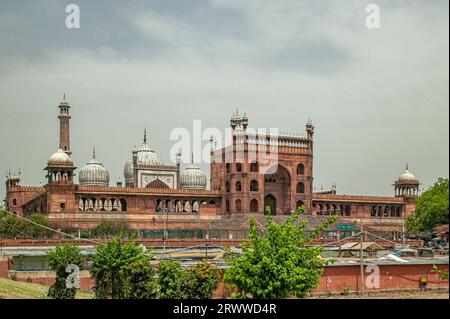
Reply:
x=64 y=127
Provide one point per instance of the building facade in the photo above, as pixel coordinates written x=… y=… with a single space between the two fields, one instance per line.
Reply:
x=257 y=170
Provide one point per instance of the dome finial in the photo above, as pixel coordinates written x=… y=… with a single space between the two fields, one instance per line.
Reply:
x=93 y=152
x=192 y=158
x=145 y=135
x=406 y=166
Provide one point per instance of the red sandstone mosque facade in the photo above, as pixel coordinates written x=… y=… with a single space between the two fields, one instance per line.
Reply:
x=244 y=181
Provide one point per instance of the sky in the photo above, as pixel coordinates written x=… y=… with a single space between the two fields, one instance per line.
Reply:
x=378 y=97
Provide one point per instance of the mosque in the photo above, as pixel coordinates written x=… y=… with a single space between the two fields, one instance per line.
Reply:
x=243 y=182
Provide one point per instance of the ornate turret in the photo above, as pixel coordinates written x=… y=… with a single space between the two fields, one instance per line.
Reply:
x=12 y=180
x=235 y=120
x=60 y=168
x=310 y=129
x=407 y=185
x=245 y=121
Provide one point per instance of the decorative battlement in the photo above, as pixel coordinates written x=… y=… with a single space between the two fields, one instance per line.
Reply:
x=135 y=190
x=356 y=198
x=26 y=189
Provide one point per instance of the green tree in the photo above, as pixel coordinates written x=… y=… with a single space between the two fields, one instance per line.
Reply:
x=58 y=261
x=197 y=282
x=431 y=208
x=171 y=277
x=34 y=230
x=122 y=271
x=201 y=281
x=107 y=228
x=12 y=227
x=280 y=262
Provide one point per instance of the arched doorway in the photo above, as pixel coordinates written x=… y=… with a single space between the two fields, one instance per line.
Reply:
x=254 y=206
x=270 y=201
x=278 y=185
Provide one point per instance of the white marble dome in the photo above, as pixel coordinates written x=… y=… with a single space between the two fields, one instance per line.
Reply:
x=148 y=157
x=60 y=157
x=128 y=172
x=93 y=174
x=407 y=176
x=193 y=178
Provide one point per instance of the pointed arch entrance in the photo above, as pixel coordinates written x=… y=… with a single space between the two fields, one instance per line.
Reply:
x=277 y=184
x=271 y=202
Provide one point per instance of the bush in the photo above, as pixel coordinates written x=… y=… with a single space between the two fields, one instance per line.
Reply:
x=170 y=280
x=280 y=262
x=197 y=282
x=202 y=280
x=13 y=227
x=58 y=260
x=122 y=271
x=107 y=228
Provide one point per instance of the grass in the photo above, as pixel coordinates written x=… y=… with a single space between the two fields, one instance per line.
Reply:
x=10 y=289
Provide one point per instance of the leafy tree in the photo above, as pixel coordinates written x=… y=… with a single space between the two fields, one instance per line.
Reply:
x=35 y=231
x=58 y=260
x=107 y=228
x=122 y=271
x=197 y=282
x=431 y=208
x=171 y=276
x=201 y=281
x=14 y=227
x=280 y=262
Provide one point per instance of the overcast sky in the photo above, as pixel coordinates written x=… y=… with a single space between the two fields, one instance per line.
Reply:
x=378 y=97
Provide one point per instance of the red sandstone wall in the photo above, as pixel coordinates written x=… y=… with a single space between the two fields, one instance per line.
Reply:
x=4 y=266
x=392 y=277
x=334 y=279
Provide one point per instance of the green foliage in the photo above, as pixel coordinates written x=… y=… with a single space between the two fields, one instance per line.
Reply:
x=107 y=228
x=280 y=262
x=198 y=282
x=201 y=281
x=34 y=230
x=431 y=208
x=443 y=275
x=122 y=271
x=13 y=227
x=170 y=280
x=58 y=260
